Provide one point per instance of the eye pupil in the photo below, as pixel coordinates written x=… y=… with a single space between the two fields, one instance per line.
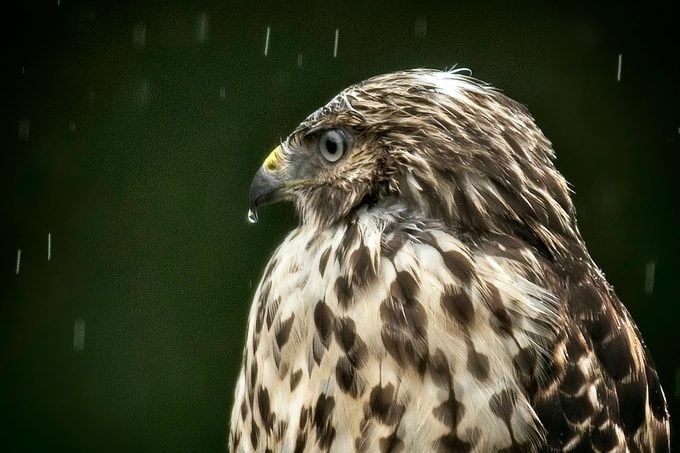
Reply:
x=332 y=145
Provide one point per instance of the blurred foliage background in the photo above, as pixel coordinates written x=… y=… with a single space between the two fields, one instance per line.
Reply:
x=131 y=132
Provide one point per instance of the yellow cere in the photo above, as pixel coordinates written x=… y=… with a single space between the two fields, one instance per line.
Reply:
x=271 y=163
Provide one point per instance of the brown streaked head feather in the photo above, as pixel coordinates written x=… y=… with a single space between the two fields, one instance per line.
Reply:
x=444 y=145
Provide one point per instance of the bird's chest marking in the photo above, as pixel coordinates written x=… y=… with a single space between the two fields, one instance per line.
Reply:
x=419 y=327
x=304 y=337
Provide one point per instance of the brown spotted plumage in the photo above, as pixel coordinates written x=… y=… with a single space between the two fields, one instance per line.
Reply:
x=437 y=295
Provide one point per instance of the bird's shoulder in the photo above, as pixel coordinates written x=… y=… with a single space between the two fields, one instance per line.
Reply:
x=599 y=389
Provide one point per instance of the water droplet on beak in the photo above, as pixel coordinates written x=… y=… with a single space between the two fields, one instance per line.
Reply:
x=252 y=216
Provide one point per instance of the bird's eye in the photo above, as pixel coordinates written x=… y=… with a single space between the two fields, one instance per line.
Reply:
x=332 y=144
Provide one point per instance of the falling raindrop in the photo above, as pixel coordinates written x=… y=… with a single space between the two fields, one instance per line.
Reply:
x=618 y=69
x=49 y=246
x=18 y=267
x=202 y=27
x=139 y=36
x=650 y=271
x=24 y=129
x=420 y=27
x=266 y=41
x=335 y=45
x=252 y=216
x=299 y=59
x=142 y=92
x=79 y=335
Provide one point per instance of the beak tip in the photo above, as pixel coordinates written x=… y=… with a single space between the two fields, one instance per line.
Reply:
x=263 y=190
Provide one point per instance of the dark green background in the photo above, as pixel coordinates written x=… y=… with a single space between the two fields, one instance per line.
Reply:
x=139 y=155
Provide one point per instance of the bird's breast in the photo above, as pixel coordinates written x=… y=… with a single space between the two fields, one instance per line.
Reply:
x=359 y=340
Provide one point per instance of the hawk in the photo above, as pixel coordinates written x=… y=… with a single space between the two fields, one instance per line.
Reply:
x=437 y=294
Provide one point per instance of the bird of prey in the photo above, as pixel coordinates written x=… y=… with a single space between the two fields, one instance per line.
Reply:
x=437 y=294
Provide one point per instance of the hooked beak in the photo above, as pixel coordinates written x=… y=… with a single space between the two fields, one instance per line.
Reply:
x=266 y=187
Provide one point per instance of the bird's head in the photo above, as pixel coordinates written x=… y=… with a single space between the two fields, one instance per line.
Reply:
x=440 y=145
